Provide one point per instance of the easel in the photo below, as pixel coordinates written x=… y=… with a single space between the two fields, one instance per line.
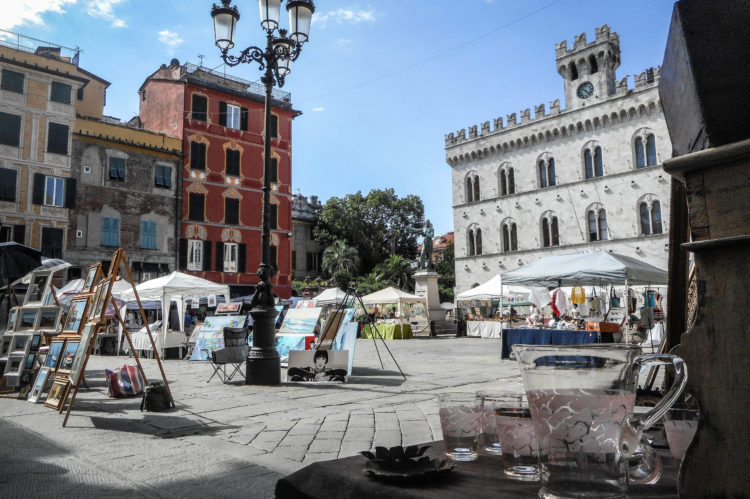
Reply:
x=326 y=342
x=118 y=259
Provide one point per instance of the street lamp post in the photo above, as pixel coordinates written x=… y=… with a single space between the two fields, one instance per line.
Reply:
x=263 y=363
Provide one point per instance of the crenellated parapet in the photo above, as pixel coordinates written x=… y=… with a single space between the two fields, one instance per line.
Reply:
x=603 y=35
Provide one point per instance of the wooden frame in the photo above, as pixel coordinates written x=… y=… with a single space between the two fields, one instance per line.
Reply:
x=38 y=288
x=40 y=384
x=68 y=355
x=56 y=393
x=54 y=354
x=102 y=297
x=76 y=314
x=114 y=265
x=84 y=349
x=27 y=317
x=93 y=276
x=48 y=318
x=331 y=329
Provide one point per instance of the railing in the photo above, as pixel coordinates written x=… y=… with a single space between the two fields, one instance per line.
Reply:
x=252 y=87
x=39 y=47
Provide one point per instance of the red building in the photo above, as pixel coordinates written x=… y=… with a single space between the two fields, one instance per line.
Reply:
x=220 y=120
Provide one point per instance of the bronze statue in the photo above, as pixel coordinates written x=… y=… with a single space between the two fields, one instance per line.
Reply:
x=425 y=257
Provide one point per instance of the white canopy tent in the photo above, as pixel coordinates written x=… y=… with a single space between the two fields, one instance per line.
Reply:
x=330 y=296
x=493 y=288
x=175 y=286
x=393 y=295
x=595 y=268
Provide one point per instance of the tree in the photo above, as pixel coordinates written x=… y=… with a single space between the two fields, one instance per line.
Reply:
x=447 y=270
x=370 y=283
x=397 y=270
x=339 y=256
x=377 y=225
x=341 y=278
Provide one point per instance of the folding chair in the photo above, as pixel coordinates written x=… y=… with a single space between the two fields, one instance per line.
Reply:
x=227 y=362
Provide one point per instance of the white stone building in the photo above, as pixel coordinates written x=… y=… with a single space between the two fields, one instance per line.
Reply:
x=566 y=180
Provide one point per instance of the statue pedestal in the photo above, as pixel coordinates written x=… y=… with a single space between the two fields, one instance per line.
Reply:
x=426 y=285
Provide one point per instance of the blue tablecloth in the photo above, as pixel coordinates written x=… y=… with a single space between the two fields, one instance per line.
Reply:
x=544 y=337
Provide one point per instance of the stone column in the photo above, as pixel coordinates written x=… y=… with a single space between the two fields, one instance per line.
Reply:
x=426 y=285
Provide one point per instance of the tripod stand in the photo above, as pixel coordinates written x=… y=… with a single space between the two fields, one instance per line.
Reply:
x=350 y=299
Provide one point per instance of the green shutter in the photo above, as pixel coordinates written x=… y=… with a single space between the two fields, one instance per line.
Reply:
x=38 y=194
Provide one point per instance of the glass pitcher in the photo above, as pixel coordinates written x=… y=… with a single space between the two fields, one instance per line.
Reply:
x=582 y=399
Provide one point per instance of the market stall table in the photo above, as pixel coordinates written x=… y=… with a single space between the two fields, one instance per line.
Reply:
x=544 y=337
x=484 y=329
x=345 y=478
x=388 y=331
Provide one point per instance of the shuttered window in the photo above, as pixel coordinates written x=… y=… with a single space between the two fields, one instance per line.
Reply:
x=148 y=234
x=233 y=162
x=116 y=168
x=57 y=140
x=200 y=108
x=231 y=211
x=196 y=207
x=11 y=81
x=163 y=176
x=110 y=231
x=60 y=92
x=10 y=129
x=8 y=184
x=197 y=156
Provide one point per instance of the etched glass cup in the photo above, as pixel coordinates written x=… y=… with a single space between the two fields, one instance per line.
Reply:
x=461 y=423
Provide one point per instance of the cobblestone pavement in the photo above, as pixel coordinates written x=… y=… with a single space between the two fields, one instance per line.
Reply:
x=223 y=440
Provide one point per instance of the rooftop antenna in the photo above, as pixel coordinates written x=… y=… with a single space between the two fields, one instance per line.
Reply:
x=201 y=56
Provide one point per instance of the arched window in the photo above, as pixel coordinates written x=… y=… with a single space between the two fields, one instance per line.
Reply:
x=472 y=187
x=598 y=164
x=510 y=235
x=470 y=237
x=546 y=168
x=650 y=216
x=588 y=162
x=645 y=149
x=507 y=181
x=597 y=224
x=592 y=64
x=469 y=190
x=478 y=243
x=476 y=188
x=550 y=230
x=573 y=71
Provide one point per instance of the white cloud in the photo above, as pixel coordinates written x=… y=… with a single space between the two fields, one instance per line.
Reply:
x=318 y=109
x=344 y=41
x=341 y=16
x=103 y=9
x=29 y=12
x=169 y=38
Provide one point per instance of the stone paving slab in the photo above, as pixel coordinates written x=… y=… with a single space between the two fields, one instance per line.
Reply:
x=231 y=440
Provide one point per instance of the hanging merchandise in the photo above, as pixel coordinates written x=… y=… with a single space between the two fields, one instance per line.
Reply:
x=658 y=311
x=578 y=295
x=595 y=304
x=614 y=300
x=632 y=301
x=559 y=303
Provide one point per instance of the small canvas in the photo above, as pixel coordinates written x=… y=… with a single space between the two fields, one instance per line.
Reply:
x=36 y=340
x=12 y=318
x=55 y=396
x=287 y=342
x=211 y=300
x=53 y=356
x=92 y=277
x=318 y=366
x=211 y=336
x=48 y=318
x=37 y=289
x=332 y=327
x=5 y=344
x=27 y=318
x=30 y=361
x=68 y=355
x=15 y=364
x=301 y=320
x=346 y=340
x=76 y=314
x=20 y=344
x=40 y=383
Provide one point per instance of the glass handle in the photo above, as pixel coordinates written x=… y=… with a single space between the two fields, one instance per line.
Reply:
x=635 y=425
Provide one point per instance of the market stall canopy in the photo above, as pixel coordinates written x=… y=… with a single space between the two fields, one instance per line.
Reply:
x=446 y=305
x=493 y=289
x=391 y=295
x=16 y=260
x=586 y=268
x=330 y=296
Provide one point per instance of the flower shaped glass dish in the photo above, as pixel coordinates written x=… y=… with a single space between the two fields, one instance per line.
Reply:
x=405 y=465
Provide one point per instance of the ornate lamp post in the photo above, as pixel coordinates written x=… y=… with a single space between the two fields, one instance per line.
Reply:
x=263 y=364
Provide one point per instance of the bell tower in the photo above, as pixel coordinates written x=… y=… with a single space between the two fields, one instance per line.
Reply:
x=589 y=69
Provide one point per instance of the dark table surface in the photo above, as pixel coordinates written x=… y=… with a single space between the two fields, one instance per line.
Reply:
x=345 y=478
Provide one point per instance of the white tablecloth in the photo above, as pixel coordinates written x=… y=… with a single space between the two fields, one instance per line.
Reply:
x=141 y=342
x=484 y=329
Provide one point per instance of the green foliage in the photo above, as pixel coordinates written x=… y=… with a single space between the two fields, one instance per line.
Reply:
x=445 y=293
x=397 y=270
x=370 y=283
x=299 y=286
x=341 y=278
x=339 y=256
x=447 y=268
x=377 y=225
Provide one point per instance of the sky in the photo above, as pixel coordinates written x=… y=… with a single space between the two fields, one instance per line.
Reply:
x=379 y=84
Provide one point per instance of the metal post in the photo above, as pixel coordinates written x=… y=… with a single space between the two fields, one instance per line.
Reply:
x=263 y=362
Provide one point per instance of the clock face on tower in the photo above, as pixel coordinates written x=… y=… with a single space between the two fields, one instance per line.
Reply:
x=585 y=90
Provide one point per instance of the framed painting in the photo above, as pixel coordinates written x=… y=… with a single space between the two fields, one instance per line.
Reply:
x=37 y=290
x=87 y=338
x=5 y=343
x=36 y=340
x=30 y=361
x=48 y=318
x=27 y=318
x=56 y=392
x=318 y=365
x=67 y=356
x=76 y=314
x=53 y=356
x=114 y=265
x=40 y=384
x=12 y=318
x=15 y=365
x=20 y=344
x=102 y=296
x=92 y=278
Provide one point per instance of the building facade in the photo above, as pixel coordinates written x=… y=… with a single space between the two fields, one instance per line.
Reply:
x=126 y=198
x=220 y=121
x=41 y=88
x=307 y=254
x=586 y=177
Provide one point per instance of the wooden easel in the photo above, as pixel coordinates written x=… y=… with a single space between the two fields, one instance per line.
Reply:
x=118 y=258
